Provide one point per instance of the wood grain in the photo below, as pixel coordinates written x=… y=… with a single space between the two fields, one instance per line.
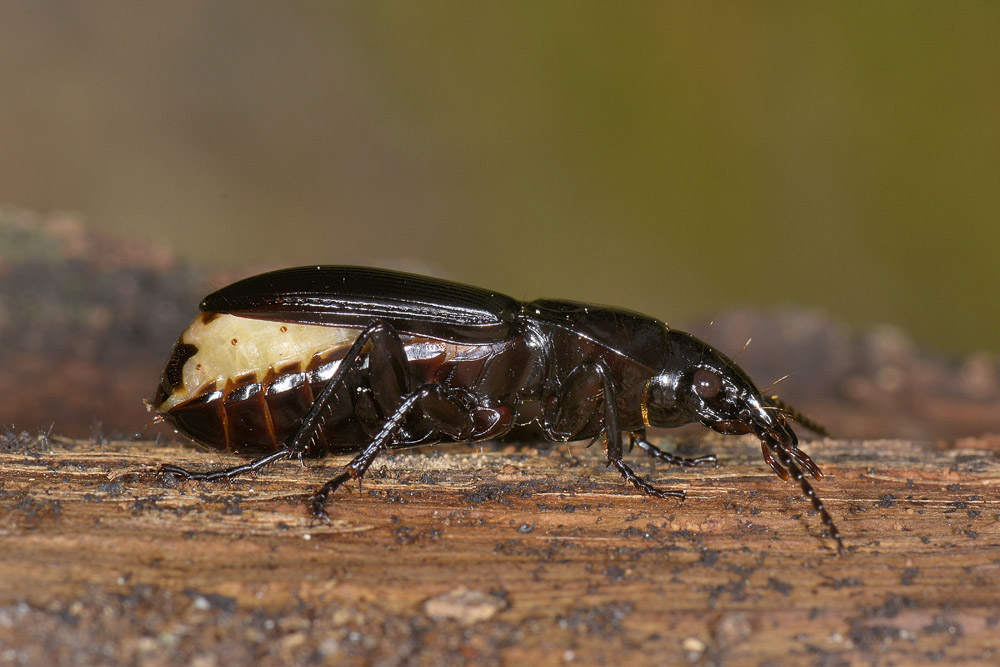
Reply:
x=499 y=557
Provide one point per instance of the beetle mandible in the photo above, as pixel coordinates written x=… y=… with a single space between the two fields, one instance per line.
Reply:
x=320 y=360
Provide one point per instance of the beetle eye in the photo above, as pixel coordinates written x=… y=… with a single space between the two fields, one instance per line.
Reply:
x=706 y=383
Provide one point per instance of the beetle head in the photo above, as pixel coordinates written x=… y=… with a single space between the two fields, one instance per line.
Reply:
x=700 y=384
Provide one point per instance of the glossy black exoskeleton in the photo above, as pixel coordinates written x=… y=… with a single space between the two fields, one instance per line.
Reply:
x=328 y=359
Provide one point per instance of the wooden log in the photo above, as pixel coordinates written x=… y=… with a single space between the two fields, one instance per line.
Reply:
x=508 y=555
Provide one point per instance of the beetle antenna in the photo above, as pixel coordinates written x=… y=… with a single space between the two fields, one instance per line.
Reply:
x=792 y=413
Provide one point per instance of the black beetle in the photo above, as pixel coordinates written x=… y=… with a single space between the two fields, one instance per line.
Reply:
x=334 y=359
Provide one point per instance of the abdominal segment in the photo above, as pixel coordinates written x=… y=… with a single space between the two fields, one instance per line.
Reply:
x=252 y=416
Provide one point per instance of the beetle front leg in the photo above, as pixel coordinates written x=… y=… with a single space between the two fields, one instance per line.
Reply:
x=574 y=409
x=614 y=436
x=639 y=438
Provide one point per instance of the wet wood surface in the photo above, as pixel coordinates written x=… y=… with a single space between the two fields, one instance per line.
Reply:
x=499 y=556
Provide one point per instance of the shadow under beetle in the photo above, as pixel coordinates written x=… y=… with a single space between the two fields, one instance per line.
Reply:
x=317 y=360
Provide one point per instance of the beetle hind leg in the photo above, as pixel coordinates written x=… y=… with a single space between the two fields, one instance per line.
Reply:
x=433 y=401
x=226 y=473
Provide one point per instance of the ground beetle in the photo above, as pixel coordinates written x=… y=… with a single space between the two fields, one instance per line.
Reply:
x=334 y=359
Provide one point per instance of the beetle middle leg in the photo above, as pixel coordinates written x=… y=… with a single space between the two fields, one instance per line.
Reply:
x=442 y=407
x=639 y=438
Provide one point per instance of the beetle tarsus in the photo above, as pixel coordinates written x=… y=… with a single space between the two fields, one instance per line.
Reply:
x=317 y=501
x=643 y=485
x=226 y=473
x=177 y=472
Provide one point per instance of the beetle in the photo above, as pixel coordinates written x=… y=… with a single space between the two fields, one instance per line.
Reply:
x=318 y=360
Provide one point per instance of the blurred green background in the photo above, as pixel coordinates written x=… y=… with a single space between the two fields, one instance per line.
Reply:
x=675 y=158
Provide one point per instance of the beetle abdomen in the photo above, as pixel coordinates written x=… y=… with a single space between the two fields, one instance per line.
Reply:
x=244 y=385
